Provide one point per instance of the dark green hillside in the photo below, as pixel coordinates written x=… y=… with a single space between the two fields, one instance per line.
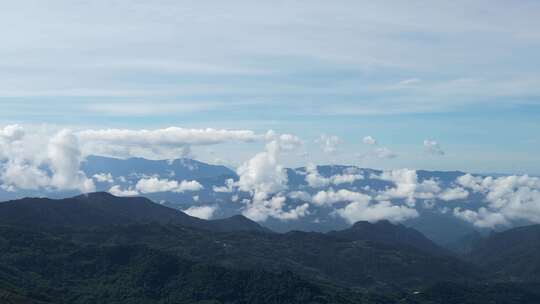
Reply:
x=512 y=254
x=103 y=209
x=40 y=268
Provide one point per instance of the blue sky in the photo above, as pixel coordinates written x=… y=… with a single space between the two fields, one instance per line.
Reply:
x=465 y=74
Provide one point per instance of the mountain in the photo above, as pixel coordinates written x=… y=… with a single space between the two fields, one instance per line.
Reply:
x=237 y=223
x=312 y=255
x=436 y=219
x=514 y=253
x=102 y=209
x=467 y=243
x=38 y=268
x=182 y=168
x=100 y=218
x=112 y=253
x=386 y=232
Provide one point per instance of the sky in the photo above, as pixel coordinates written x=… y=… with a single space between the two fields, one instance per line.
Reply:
x=435 y=85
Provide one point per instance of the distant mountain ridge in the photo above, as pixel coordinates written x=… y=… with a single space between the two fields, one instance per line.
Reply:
x=124 y=174
x=514 y=252
x=182 y=168
x=355 y=257
x=386 y=232
x=146 y=251
x=102 y=208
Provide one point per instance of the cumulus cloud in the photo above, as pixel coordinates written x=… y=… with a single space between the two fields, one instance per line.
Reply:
x=451 y=194
x=118 y=191
x=264 y=177
x=286 y=142
x=476 y=183
x=263 y=174
x=385 y=210
x=20 y=175
x=65 y=158
x=483 y=218
x=11 y=133
x=345 y=178
x=315 y=180
x=508 y=199
x=103 y=178
x=26 y=165
x=329 y=197
x=154 y=184
x=407 y=186
x=433 y=147
x=260 y=210
x=202 y=212
x=227 y=188
x=368 y=140
x=376 y=151
x=299 y=195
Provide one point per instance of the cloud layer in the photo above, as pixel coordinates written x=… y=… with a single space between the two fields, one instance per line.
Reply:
x=50 y=161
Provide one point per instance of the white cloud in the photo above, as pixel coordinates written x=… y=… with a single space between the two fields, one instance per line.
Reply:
x=260 y=210
x=23 y=159
x=11 y=133
x=329 y=197
x=20 y=175
x=159 y=143
x=286 y=142
x=117 y=191
x=483 y=218
x=473 y=182
x=315 y=180
x=154 y=184
x=407 y=186
x=172 y=136
x=202 y=212
x=363 y=211
x=299 y=195
x=228 y=188
x=345 y=178
x=433 y=147
x=368 y=140
x=263 y=176
x=508 y=199
x=103 y=178
x=452 y=194
x=64 y=159
x=189 y=186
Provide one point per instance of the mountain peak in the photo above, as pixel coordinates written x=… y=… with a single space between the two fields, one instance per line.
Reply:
x=387 y=232
x=96 y=195
x=238 y=222
x=381 y=223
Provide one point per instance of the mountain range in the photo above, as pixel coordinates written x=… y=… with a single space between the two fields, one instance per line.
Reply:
x=102 y=248
x=214 y=192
